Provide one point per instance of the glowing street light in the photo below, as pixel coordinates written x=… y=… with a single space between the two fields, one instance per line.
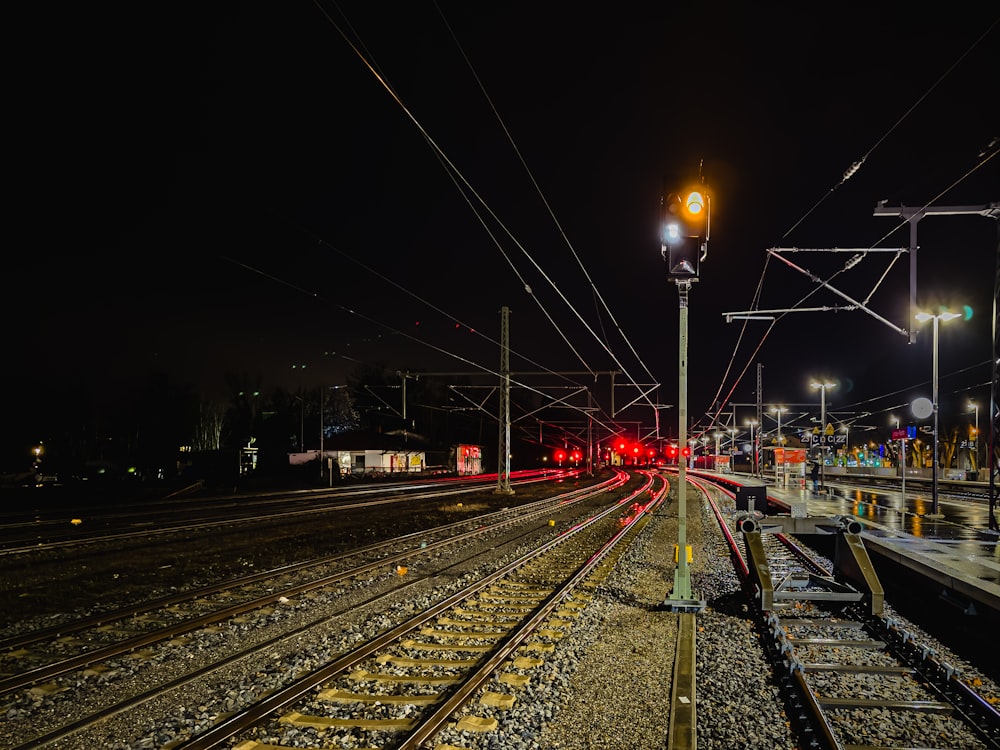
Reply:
x=784 y=468
x=923 y=317
x=822 y=430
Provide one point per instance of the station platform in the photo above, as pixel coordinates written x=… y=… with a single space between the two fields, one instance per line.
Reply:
x=958 y=551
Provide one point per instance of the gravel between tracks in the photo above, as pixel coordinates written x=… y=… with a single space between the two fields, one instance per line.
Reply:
x=606 y=686
x=632 y=655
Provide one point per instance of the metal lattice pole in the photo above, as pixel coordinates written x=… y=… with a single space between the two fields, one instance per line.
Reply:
x=503 y=459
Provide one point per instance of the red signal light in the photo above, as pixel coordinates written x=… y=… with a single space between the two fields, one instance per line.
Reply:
x=686 y=452
x=672 y=451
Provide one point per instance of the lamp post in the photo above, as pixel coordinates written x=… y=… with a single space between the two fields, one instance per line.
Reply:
x=779 y=479
x=322 y=433
x=732 y=450
x=753 y=447
x=975 y=434
x=902 y=470
x=923 y=317
x=822 y=431
x=302 y=410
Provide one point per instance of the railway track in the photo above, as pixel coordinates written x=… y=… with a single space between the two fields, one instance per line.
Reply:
x=853 y=679
x=51 y=664
x=452 y=669
x=61 y=528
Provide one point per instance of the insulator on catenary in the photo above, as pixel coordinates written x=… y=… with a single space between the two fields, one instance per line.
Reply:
x=852 y=169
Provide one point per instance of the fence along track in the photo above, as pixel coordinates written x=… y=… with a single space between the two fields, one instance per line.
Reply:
x=861 y=682
x=403 y=687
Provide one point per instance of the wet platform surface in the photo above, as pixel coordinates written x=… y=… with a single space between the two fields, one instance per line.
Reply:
x=957 y=550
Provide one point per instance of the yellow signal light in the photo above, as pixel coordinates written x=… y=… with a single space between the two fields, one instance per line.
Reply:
x=695 y=202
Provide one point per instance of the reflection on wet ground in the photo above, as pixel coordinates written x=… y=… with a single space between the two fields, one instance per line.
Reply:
x=962 y=519
x=961 y=535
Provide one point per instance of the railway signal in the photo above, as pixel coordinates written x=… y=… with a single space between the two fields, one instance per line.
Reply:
x=684 y=229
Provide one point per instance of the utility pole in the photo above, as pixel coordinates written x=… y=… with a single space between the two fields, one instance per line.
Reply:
x=503 y=471
x=913 y=217
x=990 y=211
x=760 y=420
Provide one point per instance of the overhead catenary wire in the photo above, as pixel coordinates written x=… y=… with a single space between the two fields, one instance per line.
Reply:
x=456 y=176
x=466 y=186
x=984 y=157
x=410 y=337
x=562 y=233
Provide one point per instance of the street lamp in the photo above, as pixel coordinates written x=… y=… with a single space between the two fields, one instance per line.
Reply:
x=923 y=317
x=822 y=431
x=732 y=450
x=777 y=410
x=975 y=434
x=302 y=411
x=902 y=462
x=753 y=447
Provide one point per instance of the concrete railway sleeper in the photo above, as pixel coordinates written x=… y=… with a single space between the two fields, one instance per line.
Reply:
x=835 y=654
x=95 y=644
x=455 y=667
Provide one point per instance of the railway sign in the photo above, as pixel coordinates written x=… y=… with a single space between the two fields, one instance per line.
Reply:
x=835 y=439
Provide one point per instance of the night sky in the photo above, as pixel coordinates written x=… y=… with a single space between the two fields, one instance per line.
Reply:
x=229 y=187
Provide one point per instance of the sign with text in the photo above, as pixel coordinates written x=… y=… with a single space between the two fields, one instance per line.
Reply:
x=904 y=433
x=815 y=439
x=789 y=456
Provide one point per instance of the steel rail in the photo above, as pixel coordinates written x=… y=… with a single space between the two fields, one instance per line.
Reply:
x=229 y=727
x=104 y=653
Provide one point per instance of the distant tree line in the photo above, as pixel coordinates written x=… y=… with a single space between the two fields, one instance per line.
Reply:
x=145 y=424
